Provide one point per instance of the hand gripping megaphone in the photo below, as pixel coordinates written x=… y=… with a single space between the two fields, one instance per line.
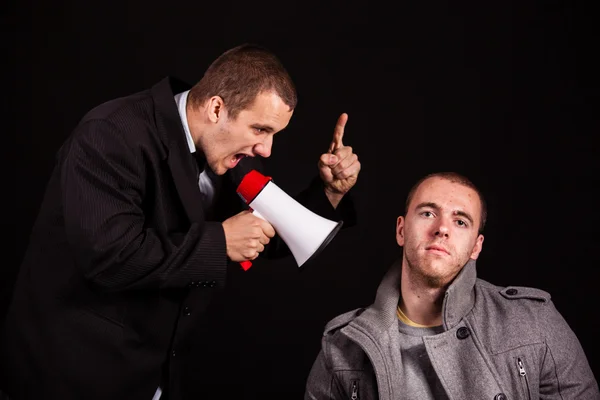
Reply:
x=305 y=233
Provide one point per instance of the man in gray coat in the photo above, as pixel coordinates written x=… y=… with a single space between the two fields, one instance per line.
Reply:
x=436 y=331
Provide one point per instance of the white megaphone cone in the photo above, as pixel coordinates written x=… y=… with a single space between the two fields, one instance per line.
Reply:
x=304 y=232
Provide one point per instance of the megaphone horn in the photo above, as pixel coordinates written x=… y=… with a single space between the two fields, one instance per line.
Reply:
x=305 y=233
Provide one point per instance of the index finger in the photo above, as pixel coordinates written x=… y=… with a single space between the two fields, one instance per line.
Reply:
x=338 y=133
x=267 y=228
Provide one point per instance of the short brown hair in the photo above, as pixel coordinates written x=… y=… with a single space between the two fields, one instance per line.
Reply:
x=454 y=177
x=240 y=74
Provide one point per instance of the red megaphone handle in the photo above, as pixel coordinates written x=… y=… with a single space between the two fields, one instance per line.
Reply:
x=246 y=265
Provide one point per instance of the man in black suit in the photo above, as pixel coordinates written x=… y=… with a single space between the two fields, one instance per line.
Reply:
x=140 y=221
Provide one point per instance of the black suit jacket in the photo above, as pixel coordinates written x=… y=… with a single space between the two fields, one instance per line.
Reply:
x=120 y=248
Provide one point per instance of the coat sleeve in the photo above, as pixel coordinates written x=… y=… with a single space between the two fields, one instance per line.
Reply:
x=319 y=385
x=565 y=373
x=103 y=185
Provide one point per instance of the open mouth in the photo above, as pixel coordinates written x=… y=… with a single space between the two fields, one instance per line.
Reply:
x=236 y=159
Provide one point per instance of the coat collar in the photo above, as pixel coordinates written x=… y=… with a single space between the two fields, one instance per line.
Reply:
x=458 y=301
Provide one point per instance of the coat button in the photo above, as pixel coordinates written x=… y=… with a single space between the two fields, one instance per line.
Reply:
x=462 y=332
x=173 y=353
x=500 y=396
x=512 y=292
x=187 y=310
x=192 y=284
x=213 y=283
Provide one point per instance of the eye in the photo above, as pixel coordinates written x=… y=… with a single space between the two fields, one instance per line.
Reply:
x=461 y=223
x=259 y=130
x=427 y=214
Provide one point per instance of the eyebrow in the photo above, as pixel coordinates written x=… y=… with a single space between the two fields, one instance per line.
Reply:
x=437 y=207
x=264 y=127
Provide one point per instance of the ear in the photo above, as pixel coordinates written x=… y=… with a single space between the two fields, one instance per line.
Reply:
x=215 y=109
x=400 y=231
x=477 y=248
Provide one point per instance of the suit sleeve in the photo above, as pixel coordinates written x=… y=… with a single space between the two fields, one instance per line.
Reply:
x=104 y=187
x=314 y=199
x=565 y=372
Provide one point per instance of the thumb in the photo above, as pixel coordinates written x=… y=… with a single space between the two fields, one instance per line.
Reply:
x=329 y=159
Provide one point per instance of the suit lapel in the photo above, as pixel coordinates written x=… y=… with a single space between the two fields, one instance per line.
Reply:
x=183 y=170
x=179 y=159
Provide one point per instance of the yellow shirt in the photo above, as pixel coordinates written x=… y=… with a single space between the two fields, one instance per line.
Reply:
x=402 y=317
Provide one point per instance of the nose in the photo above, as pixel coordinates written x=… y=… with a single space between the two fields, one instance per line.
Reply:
x=263 y=148
x=441 y=228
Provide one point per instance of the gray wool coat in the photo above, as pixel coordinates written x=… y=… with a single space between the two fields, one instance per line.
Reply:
x=498 y=344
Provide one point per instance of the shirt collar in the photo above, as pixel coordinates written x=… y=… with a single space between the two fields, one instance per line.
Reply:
x=181 y=101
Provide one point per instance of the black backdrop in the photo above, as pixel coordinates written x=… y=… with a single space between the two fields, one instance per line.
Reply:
x=501 y=93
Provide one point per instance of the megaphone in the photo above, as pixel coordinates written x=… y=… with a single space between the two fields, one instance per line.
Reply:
x=305 y=233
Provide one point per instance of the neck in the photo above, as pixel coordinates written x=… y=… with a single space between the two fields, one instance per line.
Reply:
x=419 y=302
x=194 y=115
